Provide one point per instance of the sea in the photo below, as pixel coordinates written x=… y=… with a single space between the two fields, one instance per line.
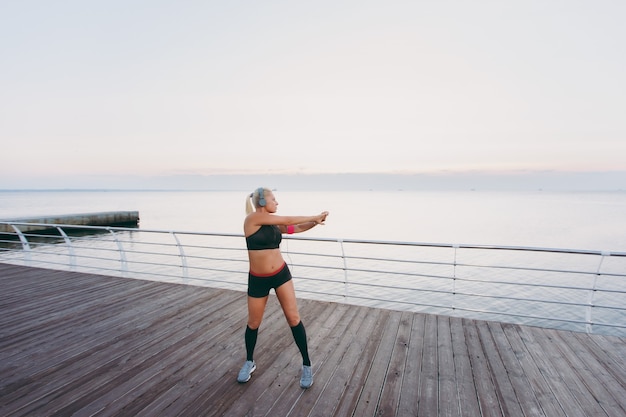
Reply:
x=543 y=219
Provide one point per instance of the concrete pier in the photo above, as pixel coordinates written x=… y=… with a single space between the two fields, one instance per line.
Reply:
x=109 y=218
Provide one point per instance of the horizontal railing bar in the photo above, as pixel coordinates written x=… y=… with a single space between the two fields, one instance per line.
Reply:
x=598 y=323
x=520 y=268
x=460 y=264
x=397 y=273
x=458 y=279
x=467 y=294
x=168 y=245
x=361 y=297
x=522 y=284
x=434 y=263
x=608 y=307
x=530 y=300
x=363 y=241
x=427 y=291
x=465 y=246
x=532 y=285
x=137 y=262
x=203 y=279
x=526 y=316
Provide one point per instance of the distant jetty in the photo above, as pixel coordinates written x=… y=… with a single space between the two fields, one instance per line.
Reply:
x=109 y=218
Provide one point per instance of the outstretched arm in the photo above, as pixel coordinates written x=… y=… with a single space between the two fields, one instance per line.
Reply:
x=303 y=227
x=299 y=223
x=299 y=228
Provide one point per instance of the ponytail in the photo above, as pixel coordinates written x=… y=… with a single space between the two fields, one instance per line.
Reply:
x=252 y=201
x=249 y=208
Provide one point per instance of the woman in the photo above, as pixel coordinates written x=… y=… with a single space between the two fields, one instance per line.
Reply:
x=268 y=270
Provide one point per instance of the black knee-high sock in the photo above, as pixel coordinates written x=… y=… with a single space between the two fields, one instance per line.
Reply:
x=299 y=334
x=250 y=342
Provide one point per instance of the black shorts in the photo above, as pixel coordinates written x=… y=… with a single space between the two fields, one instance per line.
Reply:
x=259 y=286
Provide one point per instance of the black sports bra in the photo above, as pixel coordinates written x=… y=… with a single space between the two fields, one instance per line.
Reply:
x=267 y=237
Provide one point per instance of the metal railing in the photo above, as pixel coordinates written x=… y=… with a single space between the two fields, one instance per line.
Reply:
x=578 y=290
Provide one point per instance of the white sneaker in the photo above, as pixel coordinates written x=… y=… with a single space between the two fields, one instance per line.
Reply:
x=306 y=380
x=246 y=372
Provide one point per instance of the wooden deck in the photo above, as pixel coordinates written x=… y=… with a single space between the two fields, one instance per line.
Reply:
x=80 y=344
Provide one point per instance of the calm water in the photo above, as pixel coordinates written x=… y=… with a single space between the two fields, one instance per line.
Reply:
x=594 y=221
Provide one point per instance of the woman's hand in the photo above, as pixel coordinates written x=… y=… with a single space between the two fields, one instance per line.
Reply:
x=321 y=218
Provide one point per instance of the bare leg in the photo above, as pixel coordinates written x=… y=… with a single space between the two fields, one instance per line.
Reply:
x=287 y=297
x=286 y=294
x=256 y=308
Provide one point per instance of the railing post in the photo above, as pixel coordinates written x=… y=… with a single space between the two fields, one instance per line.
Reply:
x=345 y=270
x=25 y=244
x=592 y=293
x=183 y=257
x=456 y=247
x=70 y=248
x=120 y=248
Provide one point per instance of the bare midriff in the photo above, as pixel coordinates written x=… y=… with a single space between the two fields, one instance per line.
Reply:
x=266 y=261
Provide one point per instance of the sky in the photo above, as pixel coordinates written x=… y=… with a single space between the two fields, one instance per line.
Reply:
x=177 y=88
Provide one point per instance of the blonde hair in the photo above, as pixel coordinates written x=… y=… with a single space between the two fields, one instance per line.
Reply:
x=253 y=199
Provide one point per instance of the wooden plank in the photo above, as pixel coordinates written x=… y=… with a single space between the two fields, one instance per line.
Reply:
x=524 y=394
x=390 y=396
x=524 y=350
x=344 y=360
x=358 y=379
x=467 y=395
x=449 y=404
x=429 y=384
x=611 y=359
x=485 y=389
x=608 y=392
x=407 y=405
x=562 y=377
x=500 y=377
x=373 y=386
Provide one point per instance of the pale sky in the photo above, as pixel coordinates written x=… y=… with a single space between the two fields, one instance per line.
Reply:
x=204 y=87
